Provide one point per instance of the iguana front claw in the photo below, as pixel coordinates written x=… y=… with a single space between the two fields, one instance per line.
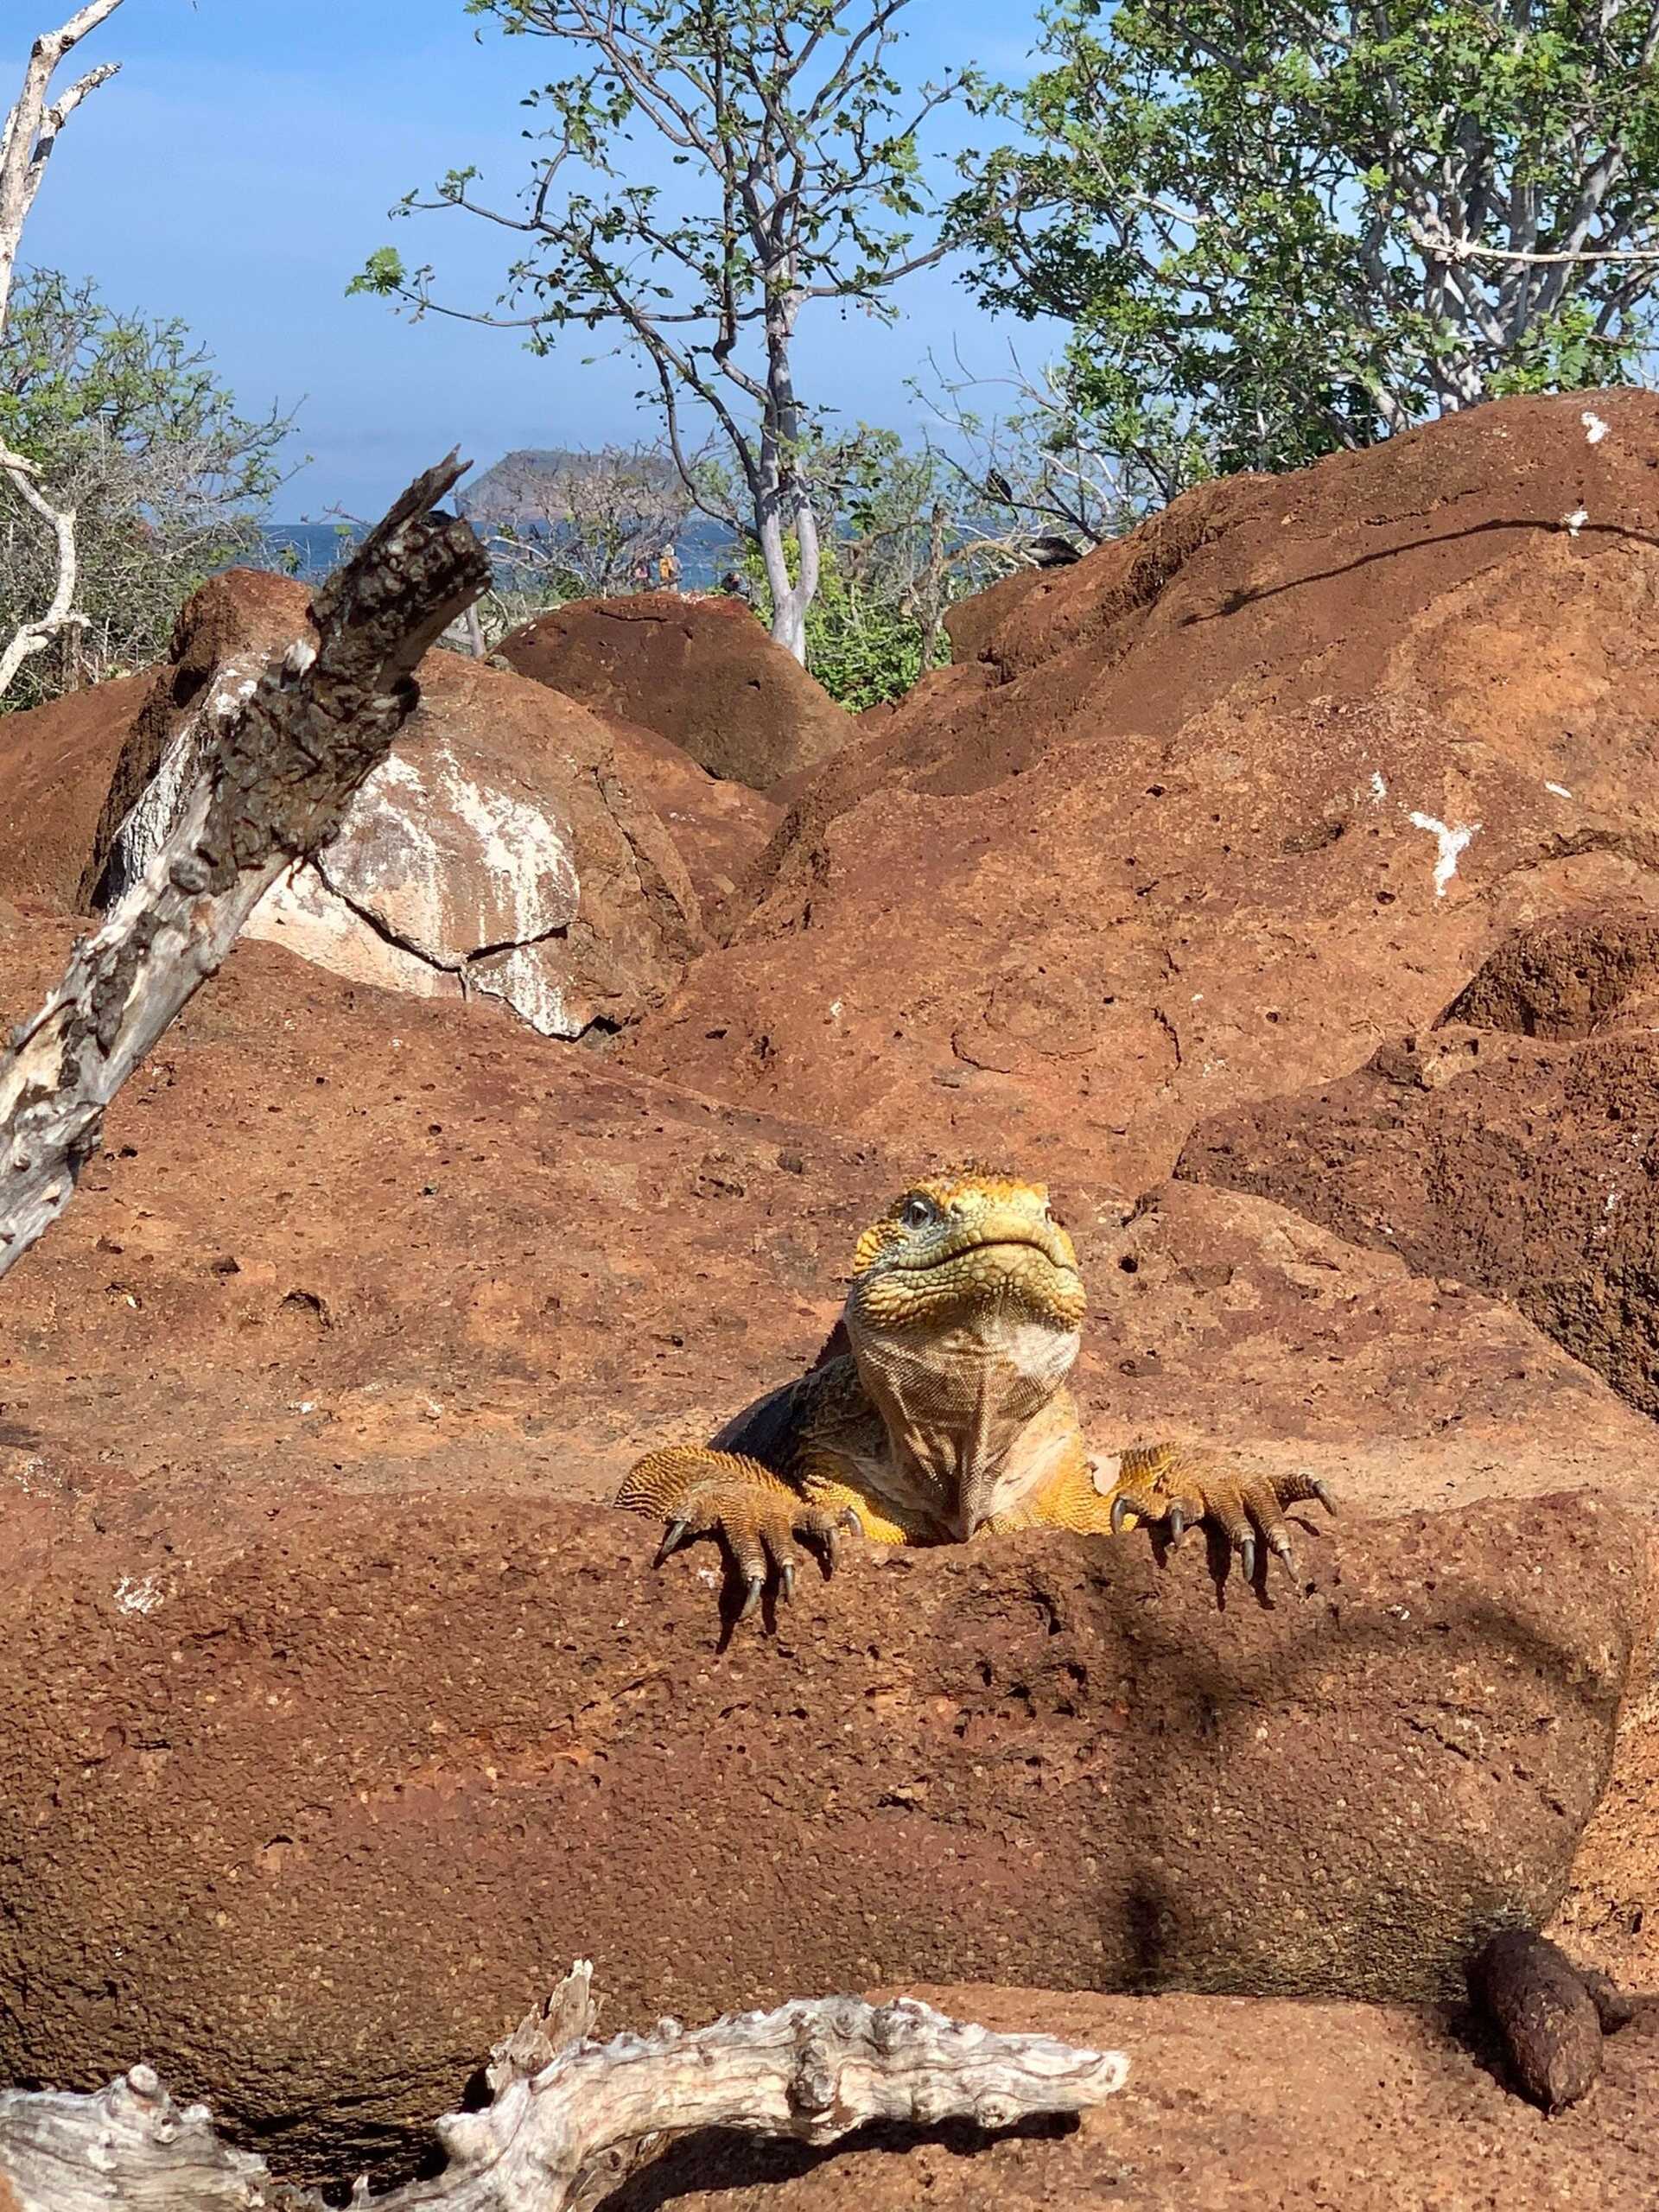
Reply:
x=1166 y=1486
x=757 y=1518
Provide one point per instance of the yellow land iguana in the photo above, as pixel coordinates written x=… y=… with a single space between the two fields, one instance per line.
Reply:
x=946 y=1416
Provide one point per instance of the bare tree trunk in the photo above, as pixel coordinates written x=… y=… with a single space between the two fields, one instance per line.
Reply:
x=272 y=789
x=61 y=615
x=571 y=2118
x=788 y=628
x=933 y=590
x=32 y=128
x=31 y=134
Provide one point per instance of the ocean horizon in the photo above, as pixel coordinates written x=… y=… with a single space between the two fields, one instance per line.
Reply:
x=309 y=550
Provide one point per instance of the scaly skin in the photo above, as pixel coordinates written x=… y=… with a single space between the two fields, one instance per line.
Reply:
x=947 y=1416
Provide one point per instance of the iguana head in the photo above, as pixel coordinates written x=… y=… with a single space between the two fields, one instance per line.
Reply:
x=964 y=1319
x=965 y=1242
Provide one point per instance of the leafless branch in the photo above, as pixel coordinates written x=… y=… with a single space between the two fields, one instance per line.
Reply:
x=61 y=614
x=571 y=2118
x=33 y=125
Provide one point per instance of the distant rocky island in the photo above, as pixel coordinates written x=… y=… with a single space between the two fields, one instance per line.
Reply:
x=516 y=489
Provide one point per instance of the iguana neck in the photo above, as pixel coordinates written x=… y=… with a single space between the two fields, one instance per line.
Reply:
x=968 y=1407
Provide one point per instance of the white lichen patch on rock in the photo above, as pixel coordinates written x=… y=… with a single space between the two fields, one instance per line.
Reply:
x=1453 y=840
x=138 y=1595
x=449 y=873
x=450 y=861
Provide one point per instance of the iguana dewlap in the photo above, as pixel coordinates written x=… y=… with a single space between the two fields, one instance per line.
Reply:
x=947 y=1417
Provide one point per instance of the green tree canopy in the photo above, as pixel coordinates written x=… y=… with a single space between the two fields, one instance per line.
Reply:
x=798 y=184
x=124 y=416
x=1278 y=228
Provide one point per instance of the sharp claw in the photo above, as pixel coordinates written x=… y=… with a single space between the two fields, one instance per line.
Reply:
x=1323 y=1494
x=1175 y=1521
x=757 y=1584
x=832 y=1536
x=1247 y=1558
x=1279 y=1544
x=1120 y=1514
x=786 y=1581
x=673 y=1536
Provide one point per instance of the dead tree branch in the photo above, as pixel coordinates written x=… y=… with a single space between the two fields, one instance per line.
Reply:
x=61 y=614
x=33 y=125
x=272 y=790
x=26 y=146
x=572 y=2118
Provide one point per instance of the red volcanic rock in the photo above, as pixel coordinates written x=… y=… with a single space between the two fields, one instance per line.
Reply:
x=498 y=850
x=719 y=828
x=55 y=763
x=698 y=670
x=368 y=1233
x=1520 y=1158
x=1207 y=813
x=306 y=1798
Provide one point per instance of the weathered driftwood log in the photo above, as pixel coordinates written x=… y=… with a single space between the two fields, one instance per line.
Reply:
x=273 y=788
x=571 y=2117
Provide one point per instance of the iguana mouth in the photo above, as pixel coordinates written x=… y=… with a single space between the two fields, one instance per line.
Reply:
x=1026 y=1268
x=1007 y=1239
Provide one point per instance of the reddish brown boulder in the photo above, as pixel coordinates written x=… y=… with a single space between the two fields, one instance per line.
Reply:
x=972 y=623
x=1523 y=1163
x=391 y=1238
x=1211 y=810
x=719 y=828
x=1229 y=2104
x=55 y=763
x=306 y=1801
x=1580 y=976
x=698 y=670
x=497 y=851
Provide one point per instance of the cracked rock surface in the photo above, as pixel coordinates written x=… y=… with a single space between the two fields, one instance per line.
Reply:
x=499 y=849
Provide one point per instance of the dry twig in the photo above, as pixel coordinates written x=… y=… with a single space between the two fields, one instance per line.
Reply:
x=571 y=2118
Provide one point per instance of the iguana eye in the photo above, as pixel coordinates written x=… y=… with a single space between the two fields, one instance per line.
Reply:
x=920 y=1213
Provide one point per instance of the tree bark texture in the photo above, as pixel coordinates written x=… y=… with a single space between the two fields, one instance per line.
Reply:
x=272 y=790
x=570 y=2118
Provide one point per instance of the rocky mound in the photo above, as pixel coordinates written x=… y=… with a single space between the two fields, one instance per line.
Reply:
x=305 y=1807
x=498 y=851
x=1521 y=1157
x=363 y=1238
x=55 y=766
x=1212 y=809
x=719 y=828
x=698 y=670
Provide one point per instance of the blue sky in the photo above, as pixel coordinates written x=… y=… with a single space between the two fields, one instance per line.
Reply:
x=240 y=167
